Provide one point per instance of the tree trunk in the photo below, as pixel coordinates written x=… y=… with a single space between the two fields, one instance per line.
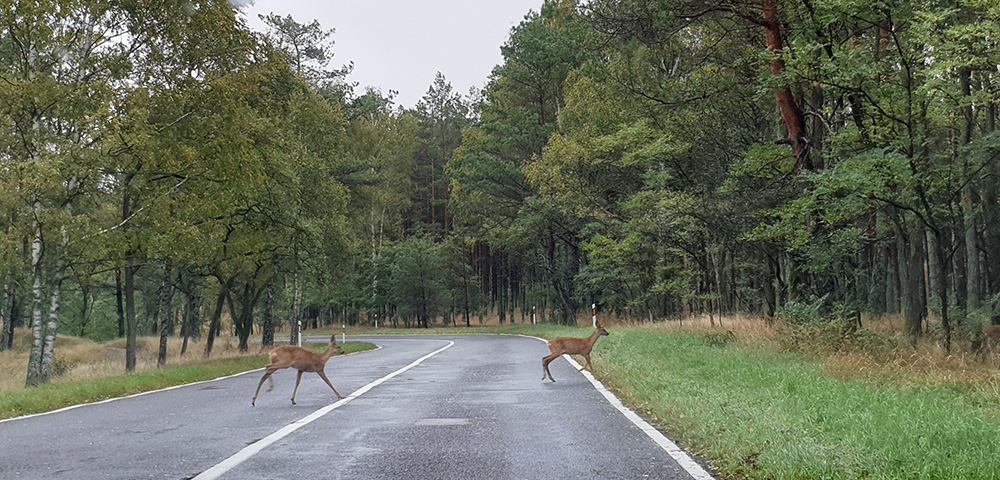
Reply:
x=465 y=281
x=130 y=324
x=770 y=297
x=13 y=318
x=35 y=376
x=991 y=234
x=267 y=327
x=896 y=277
x=59 y=274
x=118 y=298
x=941 y=287
x=914 y=307
x=48 y=351
x=243 y=321
x=214 y=324
x=293 y=338
x=791 y=113
x=164 y=297
x=187 y=320
x=973 y=291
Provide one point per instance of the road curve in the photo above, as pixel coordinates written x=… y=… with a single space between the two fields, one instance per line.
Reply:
x=419 y=407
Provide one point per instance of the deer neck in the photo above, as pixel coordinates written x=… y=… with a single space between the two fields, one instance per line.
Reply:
x=593 y=338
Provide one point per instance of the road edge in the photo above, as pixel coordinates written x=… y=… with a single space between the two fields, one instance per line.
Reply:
x=678 y=454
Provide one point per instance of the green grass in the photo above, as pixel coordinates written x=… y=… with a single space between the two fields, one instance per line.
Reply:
x=764 y=414
x=54 y=396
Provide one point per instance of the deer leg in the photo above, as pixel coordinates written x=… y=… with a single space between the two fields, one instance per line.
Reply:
x=545 y=366
x=327 y=380
x=270 y=385
x=297 y=380
x=586 y=357
x=267 y=375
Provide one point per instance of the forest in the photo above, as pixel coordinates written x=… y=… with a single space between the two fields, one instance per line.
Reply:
x=167 y=171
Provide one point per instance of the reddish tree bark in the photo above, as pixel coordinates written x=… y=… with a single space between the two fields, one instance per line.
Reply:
x=791 y=113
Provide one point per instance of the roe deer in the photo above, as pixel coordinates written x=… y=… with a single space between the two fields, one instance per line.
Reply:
x=302 y=360
x=571 y=346
x=992 y=333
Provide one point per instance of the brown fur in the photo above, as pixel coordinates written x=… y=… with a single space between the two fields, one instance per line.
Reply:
x=303 y=360
x=571 y=346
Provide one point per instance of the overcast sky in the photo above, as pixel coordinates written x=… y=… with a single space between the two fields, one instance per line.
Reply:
x=401 y=44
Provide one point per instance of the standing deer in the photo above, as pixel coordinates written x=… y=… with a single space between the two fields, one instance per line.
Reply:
x=571 y=346
x=302 y=360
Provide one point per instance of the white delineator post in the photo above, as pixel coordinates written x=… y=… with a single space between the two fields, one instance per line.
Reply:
x=534 y=318
x=376 y=321
x=593 y=311
x=300 y=334
x=343 y=333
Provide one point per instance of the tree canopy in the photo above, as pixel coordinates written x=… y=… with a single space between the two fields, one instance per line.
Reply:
x=166 y=171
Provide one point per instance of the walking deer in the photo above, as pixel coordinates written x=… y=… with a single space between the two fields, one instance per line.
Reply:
x=571 y=346
x=302 y=360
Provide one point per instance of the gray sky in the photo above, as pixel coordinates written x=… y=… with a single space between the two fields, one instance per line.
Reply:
x=401 y=44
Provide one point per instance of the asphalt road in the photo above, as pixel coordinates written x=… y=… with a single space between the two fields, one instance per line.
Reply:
x=468 y=407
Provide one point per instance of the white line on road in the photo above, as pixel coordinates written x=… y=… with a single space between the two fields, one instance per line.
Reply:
x=71 y=407
x=679 y=455
x=241 y=456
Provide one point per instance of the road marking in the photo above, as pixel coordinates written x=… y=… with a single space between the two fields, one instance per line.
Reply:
x=679 y=455
x=241 y=456
x=71 y=407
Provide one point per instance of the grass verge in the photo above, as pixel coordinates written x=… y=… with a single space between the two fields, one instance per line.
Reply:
x=58 y=395
x=772 y=415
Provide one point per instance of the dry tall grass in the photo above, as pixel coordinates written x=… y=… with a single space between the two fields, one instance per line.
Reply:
x=878 y=353
x=79 y=359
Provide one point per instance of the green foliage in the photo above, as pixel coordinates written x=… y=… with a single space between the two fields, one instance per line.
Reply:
x=419 y=270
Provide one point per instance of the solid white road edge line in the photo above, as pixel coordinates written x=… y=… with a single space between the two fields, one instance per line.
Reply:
x=679 y=455
x=241 y=456
x=71 y=407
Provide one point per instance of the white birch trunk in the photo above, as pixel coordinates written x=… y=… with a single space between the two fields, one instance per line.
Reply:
x=48 y=350
x=35 y=358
